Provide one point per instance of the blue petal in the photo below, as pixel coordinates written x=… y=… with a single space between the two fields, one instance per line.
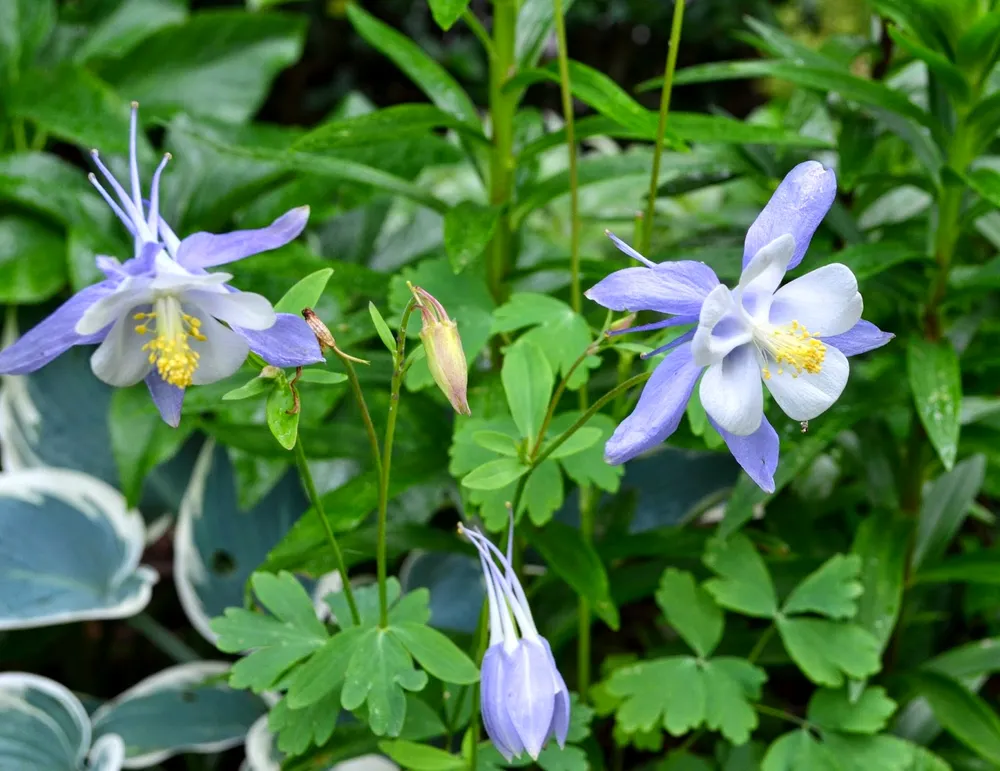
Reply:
x=797 y=207
x=670 y=287
x=659 y=410
x=167 y=398
x=756 y=453
x=55 y=334
x=498 y=724
x=529 y=694
x=203 y=250
x=560 y=719
x=289 y=343
x=861 y=338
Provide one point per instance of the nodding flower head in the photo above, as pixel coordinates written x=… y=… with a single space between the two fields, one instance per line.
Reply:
x=445 y=356
x=524 y=700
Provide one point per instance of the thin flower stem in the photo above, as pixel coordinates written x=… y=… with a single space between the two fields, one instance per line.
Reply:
x=163 y=638
x=399 y=360
x=503 y=106
x=761 y=643
x=359 y=397
x=661 y=131
x=576 y=301
x=560 y=390
x=19 y=134
x=782 y=715
x=317 y=501
x=473 y=23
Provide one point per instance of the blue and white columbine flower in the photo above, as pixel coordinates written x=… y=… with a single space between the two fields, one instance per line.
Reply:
x=523 y=698
x=156 y=317
x=794 y=339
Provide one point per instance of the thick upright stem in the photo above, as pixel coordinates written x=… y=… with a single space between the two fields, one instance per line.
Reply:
x=383 y=487
x=661 y=131
x=502 y=109
x=314 y=497
x=574 y=198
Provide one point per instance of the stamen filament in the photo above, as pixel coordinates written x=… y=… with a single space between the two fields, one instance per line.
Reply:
x=111 y=202
x=154 y=195
x=133 y=161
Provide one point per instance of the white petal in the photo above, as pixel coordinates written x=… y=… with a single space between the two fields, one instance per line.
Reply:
x=806 y=396
x=731 y=392
x=763 y=275
x=222 y=352
x=825 y=301
x=178 y=282
x=238 y=309
x=130 y=294
x=721 y=327
x=120 y=360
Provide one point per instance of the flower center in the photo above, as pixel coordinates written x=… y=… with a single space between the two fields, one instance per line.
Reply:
x=170 y=349
x=793 y=346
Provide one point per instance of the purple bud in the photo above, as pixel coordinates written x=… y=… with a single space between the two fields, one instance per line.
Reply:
x=499 y=726
x=530 y=694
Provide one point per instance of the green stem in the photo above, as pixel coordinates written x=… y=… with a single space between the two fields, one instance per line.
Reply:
x=366 y=417
x=554 y=402
x=502 y=110
x=473 y=23
x=398 y=369
x=479 y=650
x=761 y=643
x=163 y=638
x=317 y=501
x=661 y=130
x=782 y=715
x=566 y=88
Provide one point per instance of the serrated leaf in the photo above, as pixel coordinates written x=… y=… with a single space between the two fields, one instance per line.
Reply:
x=936 y=382
x=589 y=467
x=543 y=492
x=305 y=293
x=495 y=475
x=436 y=653
x=377 y=675
x=797 y=751
x=826 y=651
x=744 y=584
x=366 y=600
x=834 y=710
x=468 y=228
x=297 y=729
x=384 y=333
x=324 y=671
x=832 y=590
x=527 y=381
x=690 y=610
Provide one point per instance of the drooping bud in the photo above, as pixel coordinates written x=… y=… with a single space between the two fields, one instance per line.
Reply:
x=445 y=357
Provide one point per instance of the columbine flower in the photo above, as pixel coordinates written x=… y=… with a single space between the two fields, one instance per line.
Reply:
x=157 y=316
x=443 y=346
x=795 y=340
x=524 y=700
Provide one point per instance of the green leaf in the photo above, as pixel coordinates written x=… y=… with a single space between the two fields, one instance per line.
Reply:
x=495 y=474
x=951 y=77
x=869 y=260
x=744 y=584
x=882 y=542
x=305 y=293
x=584 y=438
x=535 y=22
x=140 y=440
x=324 y=671
x=589 y=467
x=384 y=333
x=298 y=728
x=126 y=26
x=322 y=377
x=826 y=651
x=378 y=673
x=277 y=641
x=936 y=382
x=575 y=561
x=568 y=758
x=254 y=387
x=797 y=751
x=496 y=441
x=835 y=711
x=73 y=105
x=282 y=417
x=468 y=228
x=220 y=64
x=367 y=601
x=24 y=27
x=527 y=381
x=978 y=567
x=543 y=492
x=436 y=653
x=446 y=13
x=832 y=590
x=962 y=713
x=944 y=507
x=32 y=260
x=681 y=694
x=690 y=610
x=421 y=757
x=440 y=87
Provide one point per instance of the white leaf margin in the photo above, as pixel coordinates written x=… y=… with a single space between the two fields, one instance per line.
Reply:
x=96 y=500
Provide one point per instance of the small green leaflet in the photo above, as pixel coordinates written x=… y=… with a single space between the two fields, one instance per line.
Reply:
x=282 y=413
x=834 y=710
x=384 y=333
x=690 y=610
x=936 y=382
x=468 y=228
x=828 y=651
x=305 y=293
x=743 y=585
x=527 y=381
x=832 y=590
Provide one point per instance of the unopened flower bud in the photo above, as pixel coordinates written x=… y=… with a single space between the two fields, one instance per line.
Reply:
x=270 y=372
x=443 y=346
x=319 y=329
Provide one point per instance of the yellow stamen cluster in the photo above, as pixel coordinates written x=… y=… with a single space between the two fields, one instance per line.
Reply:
x=170 y=349
x=795 y=347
